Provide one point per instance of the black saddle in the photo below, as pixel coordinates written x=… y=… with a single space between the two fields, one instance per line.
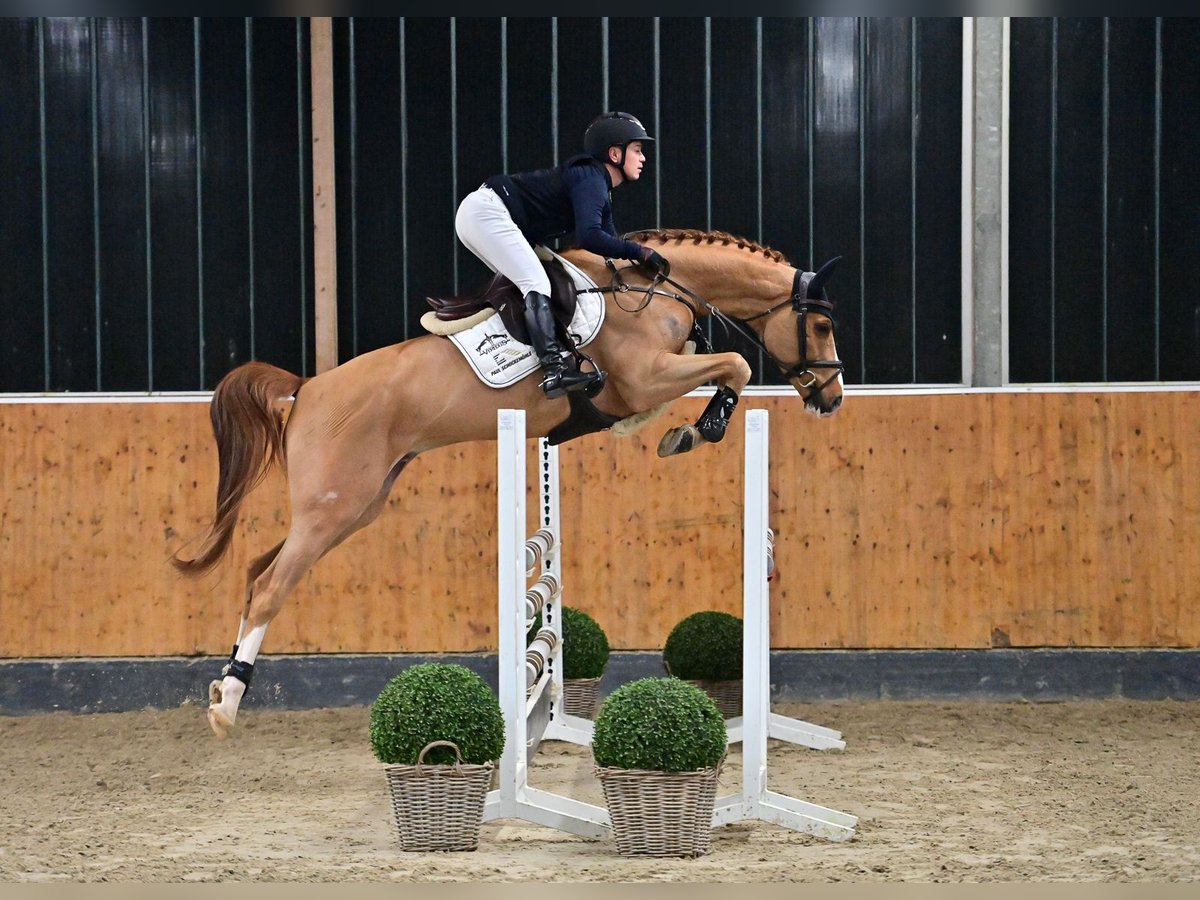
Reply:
x=504 y=297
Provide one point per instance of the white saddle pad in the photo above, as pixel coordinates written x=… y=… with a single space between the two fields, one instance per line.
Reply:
x=501 y=360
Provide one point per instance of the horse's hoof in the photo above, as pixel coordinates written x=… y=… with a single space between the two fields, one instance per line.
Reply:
x=219 y=722
x=679 y=440
x=218 y=719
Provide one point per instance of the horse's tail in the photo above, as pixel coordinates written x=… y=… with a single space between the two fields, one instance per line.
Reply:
x=249 y=432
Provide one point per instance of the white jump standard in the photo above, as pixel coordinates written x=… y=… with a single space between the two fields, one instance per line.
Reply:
x=532 y=713
x=530 y=679
x=758 y=722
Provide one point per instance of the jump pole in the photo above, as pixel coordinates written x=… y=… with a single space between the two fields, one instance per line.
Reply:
x=757 y=722
x=532 y=715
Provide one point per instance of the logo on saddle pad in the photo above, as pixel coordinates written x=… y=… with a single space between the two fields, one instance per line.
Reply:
x=500 y=360
x=491 y=342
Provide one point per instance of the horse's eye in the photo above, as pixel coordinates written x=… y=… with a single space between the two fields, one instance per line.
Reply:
x=823 y=329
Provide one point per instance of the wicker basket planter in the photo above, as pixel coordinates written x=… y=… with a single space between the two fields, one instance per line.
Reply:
x=660 y=813
x=438 y=807
x=705 y=649
x=726 y=694
x=580 y=696
x=658 y=746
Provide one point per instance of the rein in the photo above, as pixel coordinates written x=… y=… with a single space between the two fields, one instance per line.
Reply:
x=799 y=300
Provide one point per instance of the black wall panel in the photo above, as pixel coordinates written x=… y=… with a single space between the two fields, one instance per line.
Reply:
x=937 y=213
x=1079 y=202
x=837 y=182
x=22 y=332
x=480 y=142
x=887 y=245
x=124 y=323
x=227 y=320
x=631 y=89
x=530 y=62
x=370 y=301
x=1031 y=203
x=680 y=141
x=430 y=200
x=733 y=118
x=786 y=141
x=1129 y=261
x=172 y=238
x=178 y=229
x=1179 y=193
x=580 y=82
x=1102 y=200
x=70 y=235
x=280 y=161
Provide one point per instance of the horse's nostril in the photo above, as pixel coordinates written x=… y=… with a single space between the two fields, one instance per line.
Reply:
x=836 y=404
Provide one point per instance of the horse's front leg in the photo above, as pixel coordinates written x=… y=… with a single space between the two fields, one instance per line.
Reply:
x=676 y=375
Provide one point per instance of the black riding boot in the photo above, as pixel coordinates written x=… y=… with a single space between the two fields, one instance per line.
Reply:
x=558 y=378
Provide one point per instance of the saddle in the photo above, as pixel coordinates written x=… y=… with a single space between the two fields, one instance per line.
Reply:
x=506 y=299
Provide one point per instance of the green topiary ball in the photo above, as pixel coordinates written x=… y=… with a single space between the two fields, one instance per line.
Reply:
x=436 y=702
x=662 y=724
x=585 y=645
x=706 y=646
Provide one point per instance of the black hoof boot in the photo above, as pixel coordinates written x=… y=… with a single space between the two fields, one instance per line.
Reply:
x=715 y=418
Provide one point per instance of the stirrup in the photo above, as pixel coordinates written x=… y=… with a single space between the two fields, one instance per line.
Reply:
x=551 y=386
x=560 y=383
x=594 y=389
x=569 y=381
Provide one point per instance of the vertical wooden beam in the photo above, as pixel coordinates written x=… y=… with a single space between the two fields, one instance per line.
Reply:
x=324 y=194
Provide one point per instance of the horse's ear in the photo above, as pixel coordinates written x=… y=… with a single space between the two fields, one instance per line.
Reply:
x=816 y=284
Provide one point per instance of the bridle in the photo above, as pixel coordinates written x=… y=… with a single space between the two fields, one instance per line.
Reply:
x=803 y=283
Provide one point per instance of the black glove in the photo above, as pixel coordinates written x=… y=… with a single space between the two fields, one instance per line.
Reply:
x=657 y=264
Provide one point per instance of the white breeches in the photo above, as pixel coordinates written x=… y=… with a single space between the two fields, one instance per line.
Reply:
x=486 y=228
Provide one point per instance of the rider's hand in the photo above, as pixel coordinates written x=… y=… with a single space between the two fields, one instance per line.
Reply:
x=657 y=264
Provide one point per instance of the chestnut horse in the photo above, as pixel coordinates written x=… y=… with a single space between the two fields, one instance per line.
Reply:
x=352 y=429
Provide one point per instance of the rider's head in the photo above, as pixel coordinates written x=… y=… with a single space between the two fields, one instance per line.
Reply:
x=617 y=139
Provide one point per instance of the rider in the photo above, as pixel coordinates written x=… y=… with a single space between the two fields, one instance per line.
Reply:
x=508 y=214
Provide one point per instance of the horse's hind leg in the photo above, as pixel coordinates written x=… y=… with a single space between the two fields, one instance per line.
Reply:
x=257 y=566
x=315 y=530
x=304 y=545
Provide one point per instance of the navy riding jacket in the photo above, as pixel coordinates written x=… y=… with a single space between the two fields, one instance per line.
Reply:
x=570 y=197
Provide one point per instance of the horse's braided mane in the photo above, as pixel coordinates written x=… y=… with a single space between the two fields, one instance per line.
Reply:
x=679 y=235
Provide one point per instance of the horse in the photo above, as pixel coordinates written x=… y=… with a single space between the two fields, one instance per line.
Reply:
x=352 y=429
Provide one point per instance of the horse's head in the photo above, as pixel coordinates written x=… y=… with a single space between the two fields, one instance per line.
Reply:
x=784 y=310
x=801 y=328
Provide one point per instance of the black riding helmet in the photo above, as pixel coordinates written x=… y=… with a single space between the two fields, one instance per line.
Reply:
x=607 y=129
